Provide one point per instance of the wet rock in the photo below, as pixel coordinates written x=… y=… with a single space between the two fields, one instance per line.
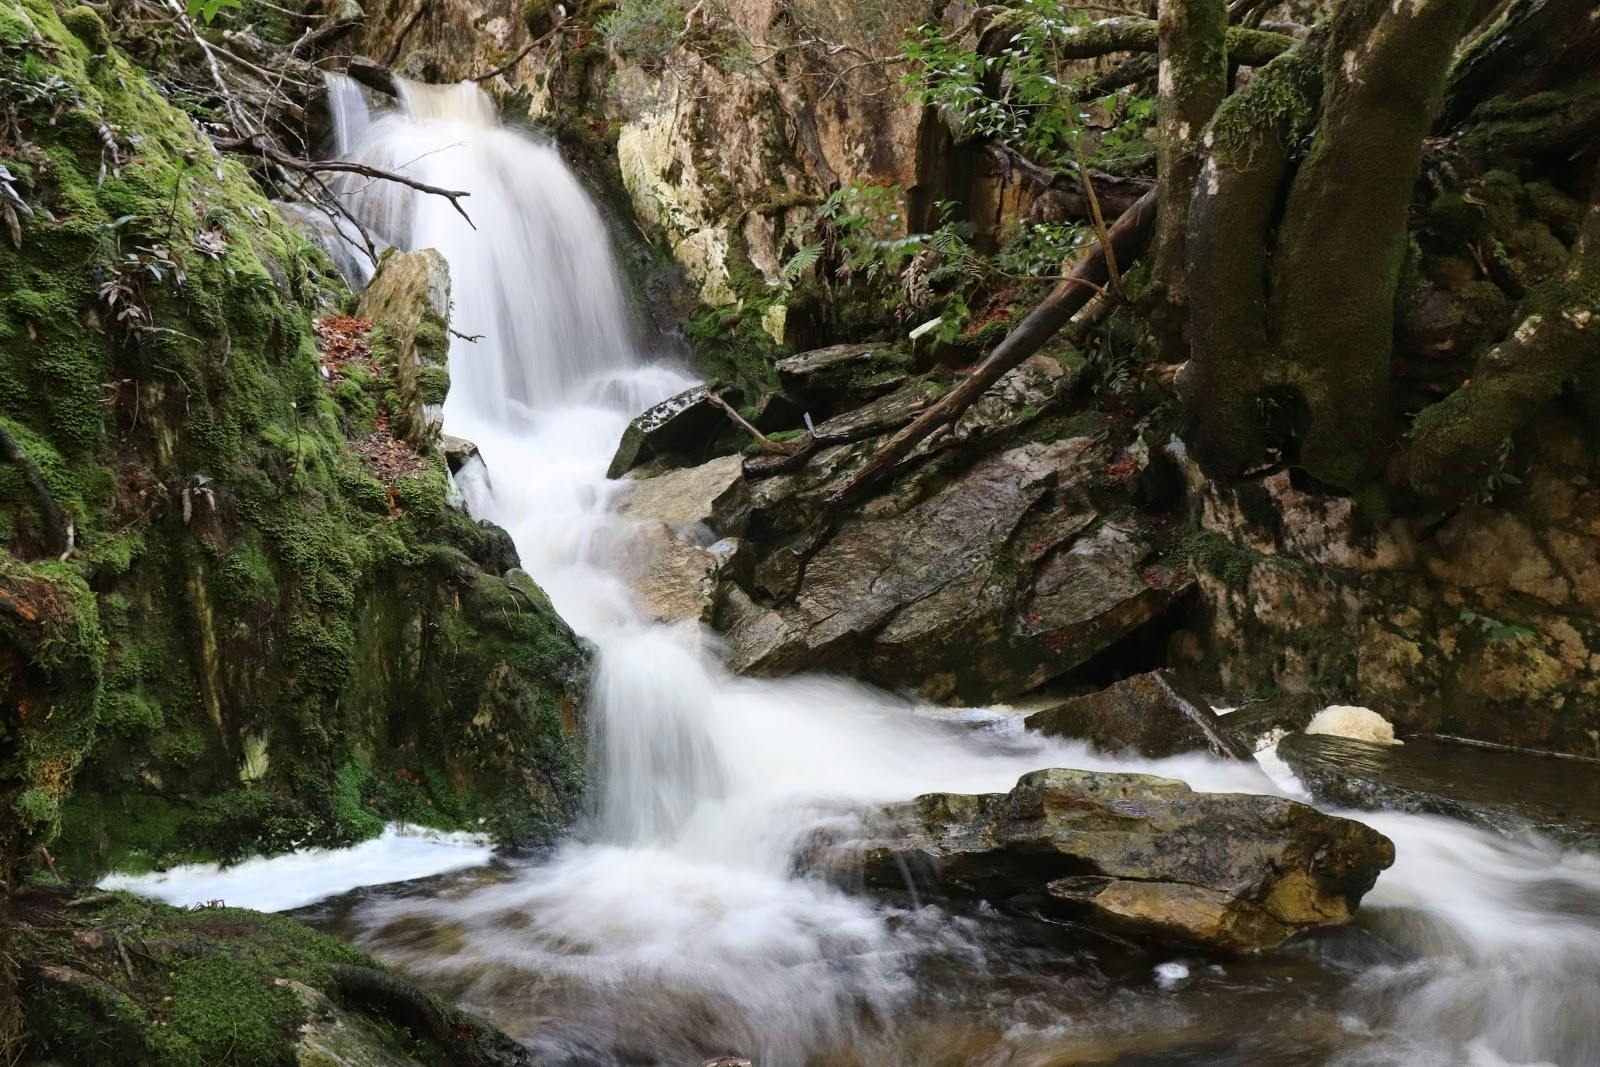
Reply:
x=978 y=589
x=459 y=452
x=1140 y=856
x=826 y=378
x=675 y=580
x=682 y=425
x=408 y=302
x=713 y=495
x=1260 y=720
x=1507 y=791
x=1148 y=714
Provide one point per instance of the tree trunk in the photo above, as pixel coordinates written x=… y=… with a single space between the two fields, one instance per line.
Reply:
x=1191 y=82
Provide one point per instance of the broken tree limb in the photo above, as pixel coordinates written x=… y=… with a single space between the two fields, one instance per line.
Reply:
x=57 y=527
x=256 y=145
x=520 y=56
x=1114 y=192
x=1128 y=237
x=767 y=444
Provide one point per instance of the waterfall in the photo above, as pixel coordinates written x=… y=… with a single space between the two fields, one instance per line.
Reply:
x=674 y=927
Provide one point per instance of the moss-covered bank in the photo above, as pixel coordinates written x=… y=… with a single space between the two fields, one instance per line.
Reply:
x=107 y=978
x=256 y=639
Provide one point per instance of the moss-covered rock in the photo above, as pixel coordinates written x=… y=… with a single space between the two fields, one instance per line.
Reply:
x=263 y=634
x=108 y=978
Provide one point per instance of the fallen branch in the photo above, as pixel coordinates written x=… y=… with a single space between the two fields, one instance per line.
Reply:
x=1115 y=193
x=777 y=448
x=57 y=527
x=255 y=145
x=1126 y=240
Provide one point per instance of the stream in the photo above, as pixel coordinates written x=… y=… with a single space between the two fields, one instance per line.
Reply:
x=672 y=929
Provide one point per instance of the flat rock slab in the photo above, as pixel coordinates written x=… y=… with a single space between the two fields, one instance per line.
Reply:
x=1140 y=856
x=1507 y=791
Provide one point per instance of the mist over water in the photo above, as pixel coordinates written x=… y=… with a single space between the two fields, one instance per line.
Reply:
x=674 y=929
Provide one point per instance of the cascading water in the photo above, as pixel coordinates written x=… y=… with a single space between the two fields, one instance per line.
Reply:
x=676 y=930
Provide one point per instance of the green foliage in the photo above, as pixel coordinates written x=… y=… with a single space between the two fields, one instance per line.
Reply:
x=207 y=10
x=1494 y=629
x=644 y=30
x=1038 y=110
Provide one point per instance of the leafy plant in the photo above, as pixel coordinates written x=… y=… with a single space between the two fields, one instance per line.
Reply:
x=1494 y=629
x=207 y=10
x=644 y=30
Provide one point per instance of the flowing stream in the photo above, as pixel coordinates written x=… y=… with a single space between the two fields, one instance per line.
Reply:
x=673 y=929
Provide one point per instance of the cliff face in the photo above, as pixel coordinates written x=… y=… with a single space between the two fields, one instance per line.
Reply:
x=239 y=613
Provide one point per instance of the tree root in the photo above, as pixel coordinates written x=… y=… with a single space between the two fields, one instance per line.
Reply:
x=1556 y=342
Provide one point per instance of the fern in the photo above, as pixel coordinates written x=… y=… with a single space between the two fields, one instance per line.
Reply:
x=801 y=262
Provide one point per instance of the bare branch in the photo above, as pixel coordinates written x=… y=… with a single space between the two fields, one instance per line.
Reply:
x=256 y=145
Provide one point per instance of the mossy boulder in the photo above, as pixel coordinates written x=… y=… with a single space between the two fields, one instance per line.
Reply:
x=108 y=978
x=264 y=633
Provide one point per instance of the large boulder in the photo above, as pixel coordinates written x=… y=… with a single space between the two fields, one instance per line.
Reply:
x=680 y=425
x=1140 y=856
x=1005 y=576
x=826 y=378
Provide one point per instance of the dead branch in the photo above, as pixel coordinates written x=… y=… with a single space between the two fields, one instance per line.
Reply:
x=1115 y=193
x=256 y=145
x=779 y=448
x=57 y=527
x=1127 y=239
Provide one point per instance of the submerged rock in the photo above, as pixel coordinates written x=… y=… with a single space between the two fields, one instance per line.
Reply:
x=1506 y=791
x=1147 y=714
x=1139 y=856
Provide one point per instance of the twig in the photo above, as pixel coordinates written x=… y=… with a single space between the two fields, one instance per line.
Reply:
x=58 y=528
x=254 y=145
x=1113 y=276
x=470 y=338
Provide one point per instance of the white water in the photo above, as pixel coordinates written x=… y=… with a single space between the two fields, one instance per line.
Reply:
x=296 y=879
x=676 y=929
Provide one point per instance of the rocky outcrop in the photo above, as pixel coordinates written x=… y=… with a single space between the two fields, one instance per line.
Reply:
x=1482 y=622
x=1510 y=792
x=1139 y=856
x=408 y=302
x=1149 y=714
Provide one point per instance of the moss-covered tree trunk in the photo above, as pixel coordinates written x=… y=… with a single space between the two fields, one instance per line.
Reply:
x=1192 y=79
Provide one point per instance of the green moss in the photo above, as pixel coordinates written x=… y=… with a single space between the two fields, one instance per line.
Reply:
x=433 y=384
x=241 y=585
x=1217 y=556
